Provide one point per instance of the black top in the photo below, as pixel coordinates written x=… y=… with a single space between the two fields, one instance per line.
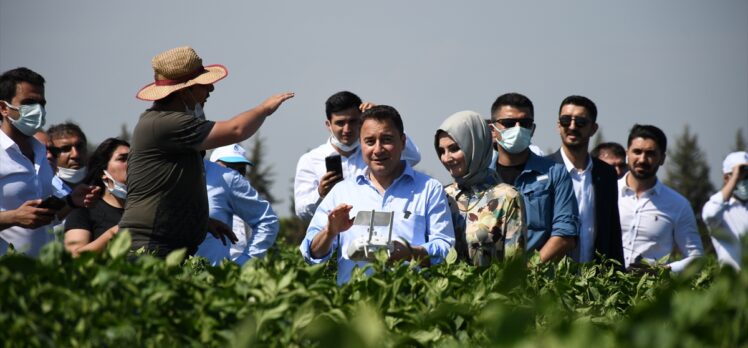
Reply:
x=96 y=219
x=510 y=173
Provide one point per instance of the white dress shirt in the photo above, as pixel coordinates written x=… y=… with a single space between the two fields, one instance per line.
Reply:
x=22 y=180
x=585 y=193
x=311 y=167
x=728 y=224
x=231 y=195
x=653 y=223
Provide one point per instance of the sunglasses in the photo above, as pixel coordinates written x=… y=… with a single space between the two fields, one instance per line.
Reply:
x=581 y=122
x=510 y=122
x=56 y=151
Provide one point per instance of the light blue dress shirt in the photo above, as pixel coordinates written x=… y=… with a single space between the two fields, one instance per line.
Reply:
x=422 y=216
x=550 y=203
x=231 y=194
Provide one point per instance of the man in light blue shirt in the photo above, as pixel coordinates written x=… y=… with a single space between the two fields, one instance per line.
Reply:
x=234 y=202
x=421 y=214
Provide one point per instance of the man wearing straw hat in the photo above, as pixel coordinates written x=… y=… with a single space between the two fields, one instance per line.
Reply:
x=167 y=206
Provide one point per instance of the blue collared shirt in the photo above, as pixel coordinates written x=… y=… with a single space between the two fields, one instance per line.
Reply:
x=230 y=194
x=422 y=216
x=549 y=201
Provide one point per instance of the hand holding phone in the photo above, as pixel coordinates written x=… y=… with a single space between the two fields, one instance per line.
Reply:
x=53 y=203
x=334 y=164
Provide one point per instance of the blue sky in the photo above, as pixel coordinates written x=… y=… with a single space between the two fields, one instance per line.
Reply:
x=669 y=63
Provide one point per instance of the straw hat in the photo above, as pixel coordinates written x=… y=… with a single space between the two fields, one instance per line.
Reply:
x=179 y=68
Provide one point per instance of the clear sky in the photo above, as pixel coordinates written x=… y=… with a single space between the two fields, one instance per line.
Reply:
x=670 y=63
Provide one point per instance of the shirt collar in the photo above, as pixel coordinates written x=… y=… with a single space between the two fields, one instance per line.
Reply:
x=5 y=141
x=624 y=187
x=534 y=163
x=570 y=166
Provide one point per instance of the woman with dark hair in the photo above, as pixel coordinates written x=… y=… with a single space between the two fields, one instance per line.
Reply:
x=90 y=229
x=488 y=215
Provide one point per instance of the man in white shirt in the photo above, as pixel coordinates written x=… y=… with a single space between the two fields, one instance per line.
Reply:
x=726 y=212
x=594 y=182
x=313 y=181
x=25 y=174
x=654 y=217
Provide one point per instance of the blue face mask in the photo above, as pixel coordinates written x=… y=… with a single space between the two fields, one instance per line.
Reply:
x=515 y=139
x=118 y=189
x=32 y=119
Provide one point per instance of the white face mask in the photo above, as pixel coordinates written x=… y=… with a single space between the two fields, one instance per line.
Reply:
x=343 y=147
x=118 y=190
x=72 y=176
x=741 y=190
x=32 y=119
x=516 y=139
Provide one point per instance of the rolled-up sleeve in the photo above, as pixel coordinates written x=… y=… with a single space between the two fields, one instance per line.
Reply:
x=319 y=221
x=440 y=227
x=565 y=212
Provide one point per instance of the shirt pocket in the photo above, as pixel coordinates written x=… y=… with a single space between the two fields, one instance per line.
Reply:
x=537 y=206
x=410 y=227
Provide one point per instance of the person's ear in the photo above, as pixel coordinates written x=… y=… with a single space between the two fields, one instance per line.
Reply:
x=594 y=128
x=328 y=125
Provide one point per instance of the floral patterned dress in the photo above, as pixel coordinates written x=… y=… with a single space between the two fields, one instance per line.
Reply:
x=489 y=222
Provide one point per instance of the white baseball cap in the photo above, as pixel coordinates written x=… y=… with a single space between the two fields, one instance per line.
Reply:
x=734 y=159
x=230 y=154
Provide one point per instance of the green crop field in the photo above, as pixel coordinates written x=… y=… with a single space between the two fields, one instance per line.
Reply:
x=114 y=299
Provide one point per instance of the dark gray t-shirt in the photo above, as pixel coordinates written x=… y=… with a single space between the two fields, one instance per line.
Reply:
x=166 y=207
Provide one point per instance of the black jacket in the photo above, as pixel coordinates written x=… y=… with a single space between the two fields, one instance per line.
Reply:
x=608 y=240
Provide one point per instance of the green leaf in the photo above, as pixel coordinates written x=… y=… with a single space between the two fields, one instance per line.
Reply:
x=120 y=245
x=175 y=257
x=451 y=256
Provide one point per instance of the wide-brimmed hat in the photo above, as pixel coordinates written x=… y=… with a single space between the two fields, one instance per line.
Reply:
x=230 y=154
x=179 y=68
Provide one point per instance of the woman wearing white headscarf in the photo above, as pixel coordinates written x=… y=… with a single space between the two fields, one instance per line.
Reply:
x=488 y=215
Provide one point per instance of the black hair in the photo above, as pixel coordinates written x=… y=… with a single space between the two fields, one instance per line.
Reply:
x=648 y=132
x=584 y=102
x=11 y=78
x=100 y=159
x=382 y=113
x=515 y=100
x=63 y=129
x=341 y=101
x=615 y=148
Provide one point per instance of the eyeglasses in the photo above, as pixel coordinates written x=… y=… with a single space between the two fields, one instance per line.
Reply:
x=581 y=122
x=510 y=122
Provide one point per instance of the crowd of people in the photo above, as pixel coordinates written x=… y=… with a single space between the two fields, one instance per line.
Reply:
x=507 y=198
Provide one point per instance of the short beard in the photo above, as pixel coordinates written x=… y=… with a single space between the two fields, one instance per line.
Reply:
x=644 y=176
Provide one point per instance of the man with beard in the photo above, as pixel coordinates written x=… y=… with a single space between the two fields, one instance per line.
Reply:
x=726 y=212
x=654 y=217
x=594 y=182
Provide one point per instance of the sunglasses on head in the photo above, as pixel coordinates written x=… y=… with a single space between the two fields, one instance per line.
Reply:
x=581 y=122
x=511 y=122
